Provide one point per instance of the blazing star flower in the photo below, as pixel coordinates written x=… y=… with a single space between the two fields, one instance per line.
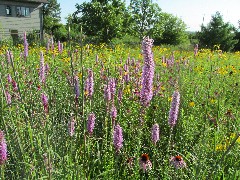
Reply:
x=3 y=148
x=8 y=97
x=45 y=102
x=155 y=133
x=76 y=87
x=71 y=126
x=91 y=123
x=173 y=113
x=177 y=162
x=145 y=163
x=42 y=68
x=9 y=78
x=89 y=84
x=118 y=138
x=148 y=72
x=25 y=45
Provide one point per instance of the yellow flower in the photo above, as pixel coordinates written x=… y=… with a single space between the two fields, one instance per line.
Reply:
x=169 y=98
x=127 y=89
x=191 y=104
x=221 y=147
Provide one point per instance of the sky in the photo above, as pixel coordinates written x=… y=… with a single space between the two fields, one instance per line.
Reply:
x=192 y=12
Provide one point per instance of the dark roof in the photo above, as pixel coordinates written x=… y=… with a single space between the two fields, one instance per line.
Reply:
x=35 y=1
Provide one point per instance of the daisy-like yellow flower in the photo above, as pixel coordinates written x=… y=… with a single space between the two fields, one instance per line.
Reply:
x=191 y=104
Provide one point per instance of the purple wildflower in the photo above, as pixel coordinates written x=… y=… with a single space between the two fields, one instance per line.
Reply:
x=25 y=45
x=118 y=138
x=88 y=89
x=91 y=123
x=107 y=93
x=148 y=72
x=8 y=97
x=113 y=114
x=173 y=113
x=145 y=163
x=42 y=68
x=112 y=85
x=45 y=102
x=9 y=78
x=76 y=87
x=71 y=126
x=120 y=95
x=155 y=133
x=177 y=162
x=3 y=148
x=14 y=85
x=195 y=49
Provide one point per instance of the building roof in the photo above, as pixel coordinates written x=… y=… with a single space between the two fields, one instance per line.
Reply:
x=35 y=1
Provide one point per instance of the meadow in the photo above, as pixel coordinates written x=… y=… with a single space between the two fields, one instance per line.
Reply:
x=81 y=112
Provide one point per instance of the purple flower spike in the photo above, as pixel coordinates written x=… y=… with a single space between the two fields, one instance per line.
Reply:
x=71 y=126
x=76 y=87
x=42 y=68
x=118 y=138
x=45 y=102
x=173 y=113
x=25 y=45
x=91 y=123
x=155 y=133
x=148 y=72
x=3 y=148
x=88 y=89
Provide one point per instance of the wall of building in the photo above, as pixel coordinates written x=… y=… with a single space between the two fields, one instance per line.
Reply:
x=14 y=24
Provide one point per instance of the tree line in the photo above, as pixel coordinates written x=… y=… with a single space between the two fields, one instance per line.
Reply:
x=108 y=21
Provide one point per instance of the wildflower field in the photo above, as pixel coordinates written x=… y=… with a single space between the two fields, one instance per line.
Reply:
x=98 y=112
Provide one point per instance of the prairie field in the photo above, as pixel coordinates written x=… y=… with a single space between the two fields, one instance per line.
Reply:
x=78 y=112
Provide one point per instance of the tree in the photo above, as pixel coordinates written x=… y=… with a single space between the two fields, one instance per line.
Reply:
x=237 y=37
x=169 y=29
x=102 y=19
x=144 y=16
x=217 y=32
x=52 y=16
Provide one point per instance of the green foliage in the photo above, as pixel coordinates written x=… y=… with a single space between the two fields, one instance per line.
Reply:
x=103 y=19
x=169 y=30
x=237 y=37
x=217 y=32
x=52 y=16
x=144 y=16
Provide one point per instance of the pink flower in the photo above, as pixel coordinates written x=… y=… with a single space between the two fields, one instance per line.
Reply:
x=173 y=113
x=177 y=162
x=91 y=123
x=145 y=163
x=3 y=148
x=118 y=138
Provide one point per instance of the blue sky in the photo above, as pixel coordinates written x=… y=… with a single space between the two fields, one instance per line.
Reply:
x=192 y=12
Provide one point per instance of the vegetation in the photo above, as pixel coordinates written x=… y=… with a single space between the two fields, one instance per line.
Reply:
x=217 y=32
x=56 y=127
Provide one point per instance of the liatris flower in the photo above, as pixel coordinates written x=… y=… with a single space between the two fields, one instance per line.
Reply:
x=9 y=78
x=145 y=163
x=8 y=97
x=112 y=85
x=25 y=45
x=14 y=85
x=118 y=138
x=173 y=113
x=42 y=68
x=52 y=44
x=126 y=76
x=71 y=126
x=195 y=49
x=8 y=57
x=45 y=102
x=107 y=93
x=155 y=133
x=113 y=115
x=148 y=72
x=3 y=148
x=96 y=59
x=76 y=87
x=88 y=89
x=59 y=46
x=120 y=95
x=177 y=162
x=91 y=123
